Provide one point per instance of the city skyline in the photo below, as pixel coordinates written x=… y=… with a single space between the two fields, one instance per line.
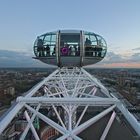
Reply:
x=117 y=21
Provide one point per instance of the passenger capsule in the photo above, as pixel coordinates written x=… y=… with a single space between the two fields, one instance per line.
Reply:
x=70 y=48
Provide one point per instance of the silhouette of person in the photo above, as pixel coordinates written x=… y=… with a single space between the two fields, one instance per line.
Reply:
x=73 y=51
x=87 y=42
x=77 y=50
x=88 y=48
x=54 y=50
x=40 y=47
x=100 y=52
x=47 y=50
x=95 y=50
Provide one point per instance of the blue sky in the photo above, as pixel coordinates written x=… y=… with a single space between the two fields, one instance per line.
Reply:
x=118 y=21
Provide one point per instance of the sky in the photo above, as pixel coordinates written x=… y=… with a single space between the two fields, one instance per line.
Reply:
x=118 y=21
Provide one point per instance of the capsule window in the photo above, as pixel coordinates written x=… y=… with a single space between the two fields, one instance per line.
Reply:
x=90 y=43
x=95 y=46
x=69 y=45
x=102 y=44
x=45 y=46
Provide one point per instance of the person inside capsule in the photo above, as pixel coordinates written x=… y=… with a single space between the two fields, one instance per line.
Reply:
x=40 y=48
x=94 y=46
x=99 y=49
x=88 y=48
x=47 y=49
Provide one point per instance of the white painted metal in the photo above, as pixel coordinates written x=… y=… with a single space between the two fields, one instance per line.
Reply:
x=130 y=118
x=47 y=120
x=17 y=107
x=58 y=116
x=92 y=120
x=69 y=100
x=108 y=126
x=31 y=125
x=80 y=118
x=9 y=117
x=28 y=126
x=65 y=90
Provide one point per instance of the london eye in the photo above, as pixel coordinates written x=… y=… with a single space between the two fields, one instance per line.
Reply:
x=70 y=103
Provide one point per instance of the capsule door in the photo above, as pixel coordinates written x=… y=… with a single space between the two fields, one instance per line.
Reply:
x=69 y=49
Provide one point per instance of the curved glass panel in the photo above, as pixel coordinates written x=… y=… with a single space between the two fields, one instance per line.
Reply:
x=90 y=43
x=95 y=45
x=45 y=45
x=101 y=47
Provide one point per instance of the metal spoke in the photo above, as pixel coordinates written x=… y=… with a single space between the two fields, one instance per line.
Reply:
x=28 y=125
x=31 y=126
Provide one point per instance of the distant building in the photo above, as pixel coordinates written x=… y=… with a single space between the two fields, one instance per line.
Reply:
x=10 y=91
x=122 y=77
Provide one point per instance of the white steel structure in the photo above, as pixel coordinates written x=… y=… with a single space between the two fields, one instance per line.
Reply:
x=68 y=91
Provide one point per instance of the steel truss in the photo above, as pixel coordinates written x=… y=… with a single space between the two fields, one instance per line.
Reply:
x=66 y=91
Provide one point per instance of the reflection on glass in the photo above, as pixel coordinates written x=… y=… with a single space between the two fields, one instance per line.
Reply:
x=95 y=46
x=45 y=45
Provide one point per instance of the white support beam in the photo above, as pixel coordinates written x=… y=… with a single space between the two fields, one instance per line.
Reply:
x=108 y=126
x=55 y=94
x=68 y=100
x=9 y=117
x=48 y=92
x=69 y=119
x=17 y=107
x=58 y=116
x=31 y=125
x=93 y=91
x=88 y=123
x=28 y=125
x=64 y=137
x=47 y=120
x=68 y=88
x=105 y=91
x=129 y=117
x=37 y=87
x=81 y=116
x=76 y=85
x=63 y=84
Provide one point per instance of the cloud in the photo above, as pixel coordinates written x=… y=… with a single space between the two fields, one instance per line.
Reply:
x=118 y=60
x=112 y=57
x=24 y=59
x=135 y=58
x=18 y=59
x=136 y=49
